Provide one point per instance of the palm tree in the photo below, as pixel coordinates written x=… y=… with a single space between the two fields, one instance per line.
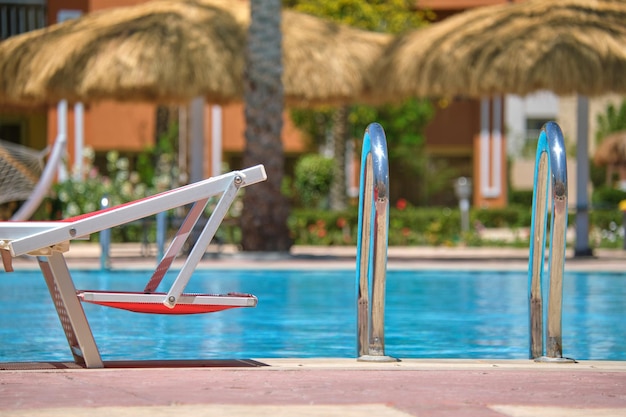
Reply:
x=264 y=219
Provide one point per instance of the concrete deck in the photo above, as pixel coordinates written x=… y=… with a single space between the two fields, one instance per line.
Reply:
x=321 y=387
x=130 y=256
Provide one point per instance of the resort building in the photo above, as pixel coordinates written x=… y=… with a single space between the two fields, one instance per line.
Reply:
x=476 y=136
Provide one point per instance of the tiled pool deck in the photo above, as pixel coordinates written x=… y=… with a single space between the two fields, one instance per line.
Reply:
x=322 y=387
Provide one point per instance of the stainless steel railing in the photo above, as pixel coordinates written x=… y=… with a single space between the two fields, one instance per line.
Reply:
x=550 y=161
x=372 y=240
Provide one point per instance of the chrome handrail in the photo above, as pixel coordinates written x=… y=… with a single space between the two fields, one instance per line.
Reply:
x=372 y=241
x=550 y=160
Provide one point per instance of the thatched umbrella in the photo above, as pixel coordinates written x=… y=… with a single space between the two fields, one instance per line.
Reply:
x=325 y=62
x=168 y=50
x=612 y=150
x=565 y=46
x=612 y=153
x=160 y=51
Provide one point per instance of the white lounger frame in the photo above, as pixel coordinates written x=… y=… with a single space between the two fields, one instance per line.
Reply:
x=49 y=240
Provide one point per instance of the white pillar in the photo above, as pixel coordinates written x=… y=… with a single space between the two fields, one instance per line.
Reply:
x=62 y=132
x=490 y=155
x=197 y=140
x=79 y=140
x=216 y=140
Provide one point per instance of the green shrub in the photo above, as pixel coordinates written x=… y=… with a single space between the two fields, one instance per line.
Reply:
x=607 y=197
x=513 y=216
x=437 y=226
x=313 y=175
x=521 y=197
x=409 y=226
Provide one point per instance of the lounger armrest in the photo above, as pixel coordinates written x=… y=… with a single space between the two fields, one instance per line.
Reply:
x=53 y=233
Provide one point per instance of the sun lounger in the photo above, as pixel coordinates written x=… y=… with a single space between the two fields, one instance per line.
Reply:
x=49 y=240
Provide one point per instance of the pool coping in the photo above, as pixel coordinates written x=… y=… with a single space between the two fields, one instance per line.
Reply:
x=86 y=256
x=329 y=363
x=441 y=364
x=326 y=387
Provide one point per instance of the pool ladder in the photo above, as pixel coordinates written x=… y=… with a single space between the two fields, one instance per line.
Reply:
x=550 y=160
x=372 y=241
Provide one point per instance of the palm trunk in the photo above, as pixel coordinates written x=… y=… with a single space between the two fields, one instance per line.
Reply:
x=264 y=217
x=338 y=198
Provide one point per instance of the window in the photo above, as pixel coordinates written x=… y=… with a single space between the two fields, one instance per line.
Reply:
x=20 y=16
x=11 y=132
x=533 y=128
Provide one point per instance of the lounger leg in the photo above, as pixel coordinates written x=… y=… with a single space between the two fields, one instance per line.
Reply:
x=70 y=311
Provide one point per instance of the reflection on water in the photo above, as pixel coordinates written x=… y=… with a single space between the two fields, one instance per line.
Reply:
x=437 y=314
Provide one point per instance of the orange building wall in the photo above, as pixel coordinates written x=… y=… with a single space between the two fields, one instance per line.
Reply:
x=108 y=125
x=108 y=4
x=233 y=128
x=453 y=127
x=121 y=126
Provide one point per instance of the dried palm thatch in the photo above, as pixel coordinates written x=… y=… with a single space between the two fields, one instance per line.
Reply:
x=612 y=154
x=612 y=150
x=323 y=62
x=565 y=46
x=169 y=50
x=160 y=51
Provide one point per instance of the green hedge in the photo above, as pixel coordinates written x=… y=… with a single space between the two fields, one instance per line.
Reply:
x=435 y=226
x=425 y=226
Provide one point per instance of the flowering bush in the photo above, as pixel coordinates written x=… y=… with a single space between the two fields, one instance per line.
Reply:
x=91 y=190
x=78 y=196
x=321 y=227
x=408 y=226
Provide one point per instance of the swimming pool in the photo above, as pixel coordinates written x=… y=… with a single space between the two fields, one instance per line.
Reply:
x=429 y=314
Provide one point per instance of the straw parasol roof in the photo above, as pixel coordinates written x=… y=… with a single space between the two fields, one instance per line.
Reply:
x=612 y=150
x=162 y=51
x=565 y=46
x=323 y=62
x=169 y=51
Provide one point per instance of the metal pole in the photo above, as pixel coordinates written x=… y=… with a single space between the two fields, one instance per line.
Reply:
x=105 y=239
x=622 y=208
x=551 y=160
x=463 y=191
x=582 y=247
x=197 y=140
x=377 y=333
x=537 y=250
x=161 y=228
x=372 y=246
x=363 y=257
x=558 y=230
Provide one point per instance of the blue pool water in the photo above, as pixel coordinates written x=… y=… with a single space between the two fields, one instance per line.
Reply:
x=430 y=314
